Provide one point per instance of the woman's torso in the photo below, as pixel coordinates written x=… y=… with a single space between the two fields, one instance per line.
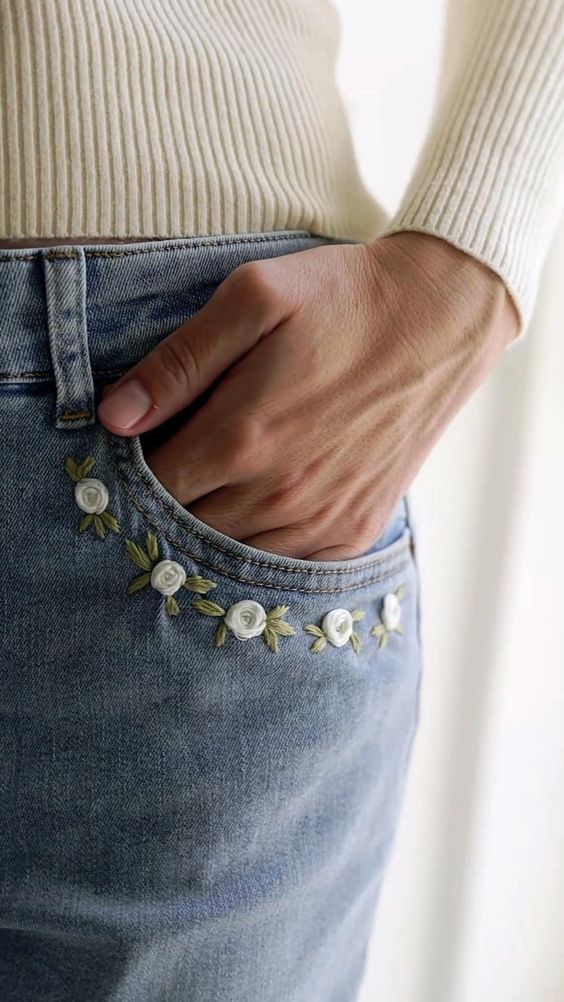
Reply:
x=129 y=120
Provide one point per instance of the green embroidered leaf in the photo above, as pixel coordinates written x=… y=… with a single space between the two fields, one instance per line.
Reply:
x=270 y=637
x=85 y=467
x=85 y=522
x=138 y=555
x=399 y=628
x=152 y=546
x=110 y=522
x=400 y=592
x=378 y=630
x=208 y=608
x=383 y=641
x=70 y=467
x=220 y=634
x=200 y=585
x=355 y=641
x=318 y=645
x=138 y=583
x=281 y=627
x=171 y=605
x=278 y=611
x=358 y=614
x=99 y=526
x=314 y=630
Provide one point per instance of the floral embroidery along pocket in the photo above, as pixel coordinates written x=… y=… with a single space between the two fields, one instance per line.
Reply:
x=92 y=497
x=390 y=616
x=248 y=619
x=243 y=620
x=166 y=577
x=337 y=628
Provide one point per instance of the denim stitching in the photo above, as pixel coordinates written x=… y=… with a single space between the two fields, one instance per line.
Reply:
x=48 y=372
x=20 y=257
x=193 y=242
x=61 y=375
x=75 y=415
x=24 y=375
x=378 y=560
x=262 y=584
x=59 y=371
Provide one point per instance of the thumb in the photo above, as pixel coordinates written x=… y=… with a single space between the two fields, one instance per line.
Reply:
x=241 y=310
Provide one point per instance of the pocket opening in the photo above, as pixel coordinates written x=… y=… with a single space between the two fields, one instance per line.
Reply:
x=216 y=550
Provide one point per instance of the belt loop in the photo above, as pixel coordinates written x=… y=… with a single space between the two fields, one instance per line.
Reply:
x=65 y=289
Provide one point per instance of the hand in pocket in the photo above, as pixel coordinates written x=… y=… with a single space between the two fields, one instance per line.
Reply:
x=315 y=385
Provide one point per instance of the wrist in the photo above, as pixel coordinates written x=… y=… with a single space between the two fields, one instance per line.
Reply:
x=476 y=293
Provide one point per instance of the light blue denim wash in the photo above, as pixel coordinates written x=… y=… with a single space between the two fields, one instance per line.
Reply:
x=181 y=821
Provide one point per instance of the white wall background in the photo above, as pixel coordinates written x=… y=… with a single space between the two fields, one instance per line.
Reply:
x=473 y=903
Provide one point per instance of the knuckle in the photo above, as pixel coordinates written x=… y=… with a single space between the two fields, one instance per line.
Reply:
x=178 y=362
x=254 y=279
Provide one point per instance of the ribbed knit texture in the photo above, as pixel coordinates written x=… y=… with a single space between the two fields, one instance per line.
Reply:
x=145 y=118
x=174 y=117
x=490 y=178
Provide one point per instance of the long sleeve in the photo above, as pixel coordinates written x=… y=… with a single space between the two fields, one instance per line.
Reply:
x=490 y=177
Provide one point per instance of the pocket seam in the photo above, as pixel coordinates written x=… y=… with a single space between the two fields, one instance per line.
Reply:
x=379 y=560
x=389 y=572
x=393 y=569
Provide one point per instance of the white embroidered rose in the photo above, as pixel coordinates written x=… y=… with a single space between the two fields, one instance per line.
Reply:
x=246 y=619
x=167 y=577
x=391 y=613
x=337 y=626
x=91 y=496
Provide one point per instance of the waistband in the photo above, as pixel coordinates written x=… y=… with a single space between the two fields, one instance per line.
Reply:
x=80 y=314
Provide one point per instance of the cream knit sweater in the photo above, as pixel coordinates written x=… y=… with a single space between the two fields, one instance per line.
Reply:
x=146 y=118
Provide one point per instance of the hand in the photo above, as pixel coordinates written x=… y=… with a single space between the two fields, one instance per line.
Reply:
x=336 y=369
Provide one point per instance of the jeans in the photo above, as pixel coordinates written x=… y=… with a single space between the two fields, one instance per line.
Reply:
x=196 y=805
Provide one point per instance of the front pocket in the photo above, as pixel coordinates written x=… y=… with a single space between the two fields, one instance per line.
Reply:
x=216 y=551
x=339 y=637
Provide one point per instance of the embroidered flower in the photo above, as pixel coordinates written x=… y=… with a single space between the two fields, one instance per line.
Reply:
x=91 y=496
x=390 y=616
x=247 y=619
x=166 y=576
x=337 y=628
x=391 y=613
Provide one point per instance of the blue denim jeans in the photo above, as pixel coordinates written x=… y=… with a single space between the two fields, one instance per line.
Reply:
x=198 y=797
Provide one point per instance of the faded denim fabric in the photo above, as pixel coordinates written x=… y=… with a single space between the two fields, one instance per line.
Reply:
x=180 y=822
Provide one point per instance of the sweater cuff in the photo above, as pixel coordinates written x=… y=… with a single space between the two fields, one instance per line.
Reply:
x=489 y=179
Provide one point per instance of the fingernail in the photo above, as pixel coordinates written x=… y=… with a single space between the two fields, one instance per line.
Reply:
x=126 y=405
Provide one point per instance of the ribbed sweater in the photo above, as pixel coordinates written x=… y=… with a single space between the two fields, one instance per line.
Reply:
x=147 y=118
